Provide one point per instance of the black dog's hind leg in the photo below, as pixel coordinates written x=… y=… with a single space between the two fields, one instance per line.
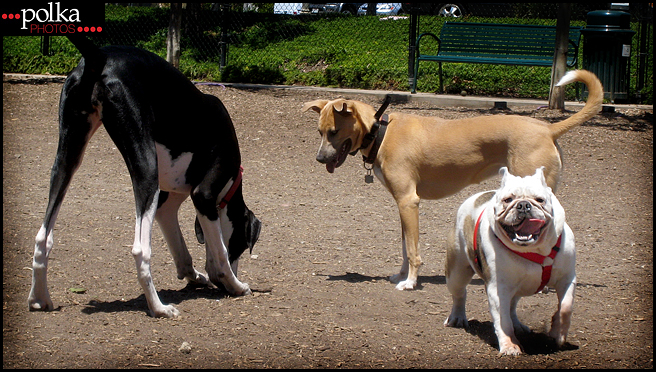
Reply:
x=131 y=131
x=78 y=121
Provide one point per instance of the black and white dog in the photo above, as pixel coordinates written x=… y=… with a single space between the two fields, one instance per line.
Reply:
x=176 y=142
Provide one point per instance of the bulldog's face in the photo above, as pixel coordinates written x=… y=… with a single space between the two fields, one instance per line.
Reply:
x=340 y=131
x=526 y=211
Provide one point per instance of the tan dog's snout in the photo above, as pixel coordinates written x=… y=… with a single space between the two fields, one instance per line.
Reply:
x=326 y=152
x=331 y=156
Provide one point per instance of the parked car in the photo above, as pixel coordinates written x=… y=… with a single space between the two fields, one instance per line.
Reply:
x=383 y=9
x=344 y=8
x=458 y=10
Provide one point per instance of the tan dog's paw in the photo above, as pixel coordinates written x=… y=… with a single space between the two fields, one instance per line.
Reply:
x=396 y=278
x=406 y=285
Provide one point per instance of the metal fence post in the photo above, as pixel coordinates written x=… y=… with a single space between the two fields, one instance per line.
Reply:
x=412 y=38
x=223 y=44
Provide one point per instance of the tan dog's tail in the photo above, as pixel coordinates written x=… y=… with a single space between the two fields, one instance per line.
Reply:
x=592 y=106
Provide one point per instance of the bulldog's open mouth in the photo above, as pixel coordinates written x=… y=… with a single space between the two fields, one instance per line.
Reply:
x=340 y=157
x=526 y=232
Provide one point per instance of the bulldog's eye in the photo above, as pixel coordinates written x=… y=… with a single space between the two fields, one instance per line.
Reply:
x=539 y=200
x=508 y=200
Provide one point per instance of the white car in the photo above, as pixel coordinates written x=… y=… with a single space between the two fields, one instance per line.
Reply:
x=383 y=9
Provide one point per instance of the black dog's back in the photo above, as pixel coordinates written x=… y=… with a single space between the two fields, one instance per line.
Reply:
x=154 y=80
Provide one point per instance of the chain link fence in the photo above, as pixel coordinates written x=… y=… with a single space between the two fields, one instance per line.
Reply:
x=333 y=44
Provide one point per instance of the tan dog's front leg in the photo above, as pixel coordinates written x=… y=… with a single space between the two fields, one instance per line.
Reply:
x=409 y=211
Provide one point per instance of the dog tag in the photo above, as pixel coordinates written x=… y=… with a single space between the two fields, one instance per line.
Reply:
x=369 y=178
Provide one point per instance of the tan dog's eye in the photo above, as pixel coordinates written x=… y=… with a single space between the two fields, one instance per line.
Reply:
x=333 y=132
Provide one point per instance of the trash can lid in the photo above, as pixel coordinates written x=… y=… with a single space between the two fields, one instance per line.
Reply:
x=608 y=19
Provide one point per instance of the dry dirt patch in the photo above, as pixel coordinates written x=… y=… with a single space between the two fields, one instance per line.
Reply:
x=320 y=269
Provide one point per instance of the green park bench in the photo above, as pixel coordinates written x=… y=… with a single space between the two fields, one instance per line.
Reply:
x=489 y=43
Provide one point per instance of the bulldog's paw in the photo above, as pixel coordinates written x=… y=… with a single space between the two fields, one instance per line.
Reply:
x=510 y=348
x=406 y=285
x=559 y=336
x=165 y=311
x=521 y=329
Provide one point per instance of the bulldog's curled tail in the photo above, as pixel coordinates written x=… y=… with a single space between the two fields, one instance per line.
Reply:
x=592 y=106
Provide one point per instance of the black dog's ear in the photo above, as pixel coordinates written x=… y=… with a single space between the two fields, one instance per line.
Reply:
x=253 y=228
x=199 y=232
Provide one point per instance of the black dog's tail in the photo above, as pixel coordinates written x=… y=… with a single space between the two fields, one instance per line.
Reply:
x=94 y=58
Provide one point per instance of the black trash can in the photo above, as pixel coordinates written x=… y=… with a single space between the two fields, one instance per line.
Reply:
x=607 y=51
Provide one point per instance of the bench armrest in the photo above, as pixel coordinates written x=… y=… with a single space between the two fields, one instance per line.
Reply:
x=575 y=46
x=439 y=42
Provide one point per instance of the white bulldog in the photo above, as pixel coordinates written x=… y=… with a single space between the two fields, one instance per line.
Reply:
x=516 y=239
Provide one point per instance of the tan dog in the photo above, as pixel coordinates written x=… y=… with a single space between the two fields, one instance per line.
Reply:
x=431 y=158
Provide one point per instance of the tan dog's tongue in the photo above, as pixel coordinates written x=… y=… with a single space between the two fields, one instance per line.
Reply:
x=529 y=226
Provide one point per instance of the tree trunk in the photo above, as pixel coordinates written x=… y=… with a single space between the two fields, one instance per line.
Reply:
x=173 y=37
x=559 y=66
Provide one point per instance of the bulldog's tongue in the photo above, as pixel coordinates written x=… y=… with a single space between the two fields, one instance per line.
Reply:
x=530 y=226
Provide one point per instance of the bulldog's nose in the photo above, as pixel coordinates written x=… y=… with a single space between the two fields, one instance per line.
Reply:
x=523 y=207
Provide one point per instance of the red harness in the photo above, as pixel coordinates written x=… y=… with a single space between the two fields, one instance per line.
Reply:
x=233 y=189
x=531 y=256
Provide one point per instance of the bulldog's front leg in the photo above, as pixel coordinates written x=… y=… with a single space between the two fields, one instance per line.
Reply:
x=500 y=302
x=561 y=320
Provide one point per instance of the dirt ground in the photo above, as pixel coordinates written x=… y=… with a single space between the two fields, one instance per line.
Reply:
x=322 y=298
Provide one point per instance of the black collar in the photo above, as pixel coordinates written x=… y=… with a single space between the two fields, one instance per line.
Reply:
x=379 y=127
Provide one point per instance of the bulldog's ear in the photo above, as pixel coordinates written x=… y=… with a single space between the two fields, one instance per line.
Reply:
x=503 y=172
x=317 y=105
x=539 y=172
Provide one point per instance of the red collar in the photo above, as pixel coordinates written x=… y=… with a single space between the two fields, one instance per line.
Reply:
x=531 y=256
x=233 y=189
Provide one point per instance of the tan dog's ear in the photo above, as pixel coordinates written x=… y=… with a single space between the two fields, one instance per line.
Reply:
x=317 y=105
x=342 y=108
